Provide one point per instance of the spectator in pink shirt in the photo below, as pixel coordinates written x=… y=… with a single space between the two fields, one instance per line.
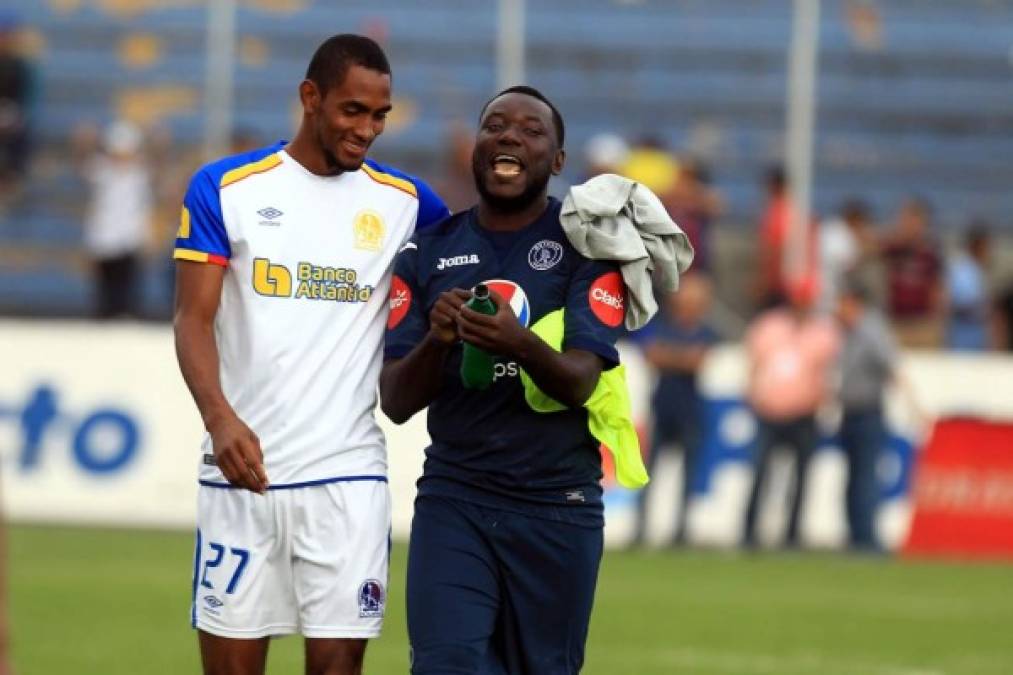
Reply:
x=791 y=352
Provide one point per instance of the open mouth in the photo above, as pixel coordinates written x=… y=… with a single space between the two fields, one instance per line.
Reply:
x=506 y=166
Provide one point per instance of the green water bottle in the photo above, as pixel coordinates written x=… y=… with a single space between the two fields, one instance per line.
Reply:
x=478 y=367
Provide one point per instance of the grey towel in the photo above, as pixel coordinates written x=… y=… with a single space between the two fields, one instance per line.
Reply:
x=614 y=218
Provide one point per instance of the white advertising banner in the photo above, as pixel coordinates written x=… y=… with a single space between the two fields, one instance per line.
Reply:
x=97 y=427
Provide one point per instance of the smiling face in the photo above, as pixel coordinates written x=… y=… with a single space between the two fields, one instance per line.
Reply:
x=516 y=152
x=348 y=117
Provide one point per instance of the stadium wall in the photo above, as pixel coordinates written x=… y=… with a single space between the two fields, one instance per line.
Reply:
x=97 y=427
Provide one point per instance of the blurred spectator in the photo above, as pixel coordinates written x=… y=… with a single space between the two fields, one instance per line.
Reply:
x=864 y=24
x=652 y=165
x=119 y=218
x=775 y=225
x=675 y=344
x=847 y=249
x=867 y=366
x=244 y=140
x=969 y=301
x=694 y=204
x=791 y=351
x=15 y=96
x=913 y=272
x=457 y=184
x=605 y=153
x=1004 y=318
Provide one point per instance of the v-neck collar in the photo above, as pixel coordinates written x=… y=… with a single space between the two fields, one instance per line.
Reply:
x=505 y=253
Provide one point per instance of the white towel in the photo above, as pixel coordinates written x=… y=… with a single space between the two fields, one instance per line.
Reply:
x=614 y=218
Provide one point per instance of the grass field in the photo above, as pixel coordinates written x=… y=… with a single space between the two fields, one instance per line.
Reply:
x=100 y=602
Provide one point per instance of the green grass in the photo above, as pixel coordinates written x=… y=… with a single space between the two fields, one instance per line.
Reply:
x=117 y=602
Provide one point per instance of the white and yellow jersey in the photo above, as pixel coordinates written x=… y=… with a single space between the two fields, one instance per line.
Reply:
x=300 y=326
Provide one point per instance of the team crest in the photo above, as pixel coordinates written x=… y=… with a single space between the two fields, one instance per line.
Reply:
x=369 y=230
x=544 y=255
x=371 y=599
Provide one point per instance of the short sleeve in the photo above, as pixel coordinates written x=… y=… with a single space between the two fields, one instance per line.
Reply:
x=407 y=323
x=595 y=310
x=431 y=208
x=202 y=236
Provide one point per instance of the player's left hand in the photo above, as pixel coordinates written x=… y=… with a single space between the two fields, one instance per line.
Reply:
x=500 y=333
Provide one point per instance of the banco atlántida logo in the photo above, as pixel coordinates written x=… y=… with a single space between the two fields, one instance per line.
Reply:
x=310 y=282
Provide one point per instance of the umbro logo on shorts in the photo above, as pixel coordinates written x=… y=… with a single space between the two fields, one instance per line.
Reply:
x=213 y=604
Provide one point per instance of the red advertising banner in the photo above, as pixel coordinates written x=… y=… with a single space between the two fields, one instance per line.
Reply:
x=963 y=492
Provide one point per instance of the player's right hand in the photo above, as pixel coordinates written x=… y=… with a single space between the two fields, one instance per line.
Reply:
x=238 y=454
x=443 y=316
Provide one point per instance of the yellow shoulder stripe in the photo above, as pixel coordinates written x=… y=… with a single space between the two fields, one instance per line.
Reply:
x=184 y=224
x=392 y=181
x=247 y=170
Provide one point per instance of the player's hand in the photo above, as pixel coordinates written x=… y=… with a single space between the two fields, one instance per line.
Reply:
x=443 y=316
x=500 y=333
x=238 y=454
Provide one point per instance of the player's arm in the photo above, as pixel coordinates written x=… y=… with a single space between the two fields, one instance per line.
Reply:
x=568 y=377
x=202 y=252
x=236 y=448
x=410 y=383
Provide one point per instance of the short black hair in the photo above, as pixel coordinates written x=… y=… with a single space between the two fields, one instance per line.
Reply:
x=977 y=233
x=333 y=58
x=557 y=119
x=774 y=177
x=854 y=208
x=921 y=204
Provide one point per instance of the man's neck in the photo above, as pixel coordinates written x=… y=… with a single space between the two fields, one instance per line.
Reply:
x=496 y=220
x=305 y=150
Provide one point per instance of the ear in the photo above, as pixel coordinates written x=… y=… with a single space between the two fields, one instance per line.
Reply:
x=558 y=161
x=309 y=95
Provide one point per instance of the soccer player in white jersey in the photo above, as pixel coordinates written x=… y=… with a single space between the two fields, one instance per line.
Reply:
x=285 y=258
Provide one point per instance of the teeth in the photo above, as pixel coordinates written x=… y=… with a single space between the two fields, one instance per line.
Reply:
x=506 y=169
x=507 y=158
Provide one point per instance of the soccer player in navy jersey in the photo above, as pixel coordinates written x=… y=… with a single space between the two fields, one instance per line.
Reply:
x=507 y=534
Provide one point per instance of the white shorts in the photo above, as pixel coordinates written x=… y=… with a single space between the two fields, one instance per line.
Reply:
x=310 y=560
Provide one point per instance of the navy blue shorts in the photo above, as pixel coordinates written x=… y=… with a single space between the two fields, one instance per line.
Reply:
x=498 y=593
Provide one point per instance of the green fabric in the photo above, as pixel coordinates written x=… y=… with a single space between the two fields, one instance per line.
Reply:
x=610 y=416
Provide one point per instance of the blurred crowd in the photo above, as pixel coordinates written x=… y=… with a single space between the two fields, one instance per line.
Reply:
x=822 y=312
x=822 y=340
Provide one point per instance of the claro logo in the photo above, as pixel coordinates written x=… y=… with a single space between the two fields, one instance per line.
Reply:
x=601 y=295
x=606 y=299
x=101 y=440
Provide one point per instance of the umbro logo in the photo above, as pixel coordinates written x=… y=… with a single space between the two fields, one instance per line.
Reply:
x=271 y=216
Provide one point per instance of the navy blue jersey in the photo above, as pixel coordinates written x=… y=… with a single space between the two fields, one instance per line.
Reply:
x=489 y=446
